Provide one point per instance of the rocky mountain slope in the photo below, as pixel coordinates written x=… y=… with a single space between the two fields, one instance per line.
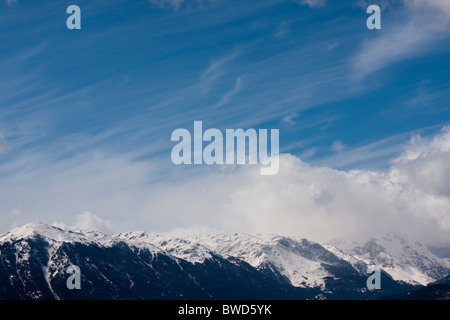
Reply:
x=136 y=265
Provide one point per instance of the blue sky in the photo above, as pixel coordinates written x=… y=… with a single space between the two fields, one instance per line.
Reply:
x=92 y=107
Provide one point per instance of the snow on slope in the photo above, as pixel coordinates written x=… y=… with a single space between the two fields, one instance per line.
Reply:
x=298 y=261
x=447 y=261
x=402 y=258
x=56 y=236
x=177 y=247
x=49 y=232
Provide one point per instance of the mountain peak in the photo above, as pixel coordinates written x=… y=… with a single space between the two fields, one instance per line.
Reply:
x=403 y=258
x=46 y=231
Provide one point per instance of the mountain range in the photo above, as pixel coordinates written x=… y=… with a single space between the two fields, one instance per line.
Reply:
x=34 y=259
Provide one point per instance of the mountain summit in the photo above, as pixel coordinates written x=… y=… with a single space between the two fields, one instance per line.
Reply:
x=403 y=258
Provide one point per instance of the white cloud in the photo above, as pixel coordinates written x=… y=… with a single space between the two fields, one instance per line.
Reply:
x=438 y=9
x=426 y=163
x=419 y=147
x=167 y=3
x=377 y=153
x=282 y=29
x=3 y=145
x=383 y=4
x=290 y=118
x=308 y=153
x=175 y=4
x=338 y=146
x=401 y=43
x=10 y=2
x=88 y=221
x=314 y=3
x=227 y=96
x=16 y=210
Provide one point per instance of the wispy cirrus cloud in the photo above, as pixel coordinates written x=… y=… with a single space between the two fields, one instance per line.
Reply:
x=227 y=96
x=376 y=153
x=313 y=3
x=421 y=25
x=3 y=145
x=167 y=3
x=176 y=4
x=282 y=29
x=404 y=42
x=439 y=10
x=10 y=2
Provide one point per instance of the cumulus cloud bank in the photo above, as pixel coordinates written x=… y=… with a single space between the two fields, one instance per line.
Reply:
x=412 y=196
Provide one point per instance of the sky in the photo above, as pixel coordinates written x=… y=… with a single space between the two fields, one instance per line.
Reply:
x=86 y=115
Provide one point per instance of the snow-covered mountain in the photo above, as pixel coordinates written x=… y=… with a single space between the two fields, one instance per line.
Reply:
x=139 y=265
x=303 y=262
x=403 y=258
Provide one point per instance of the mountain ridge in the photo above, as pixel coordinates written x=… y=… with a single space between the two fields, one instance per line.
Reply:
x=34 y=258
